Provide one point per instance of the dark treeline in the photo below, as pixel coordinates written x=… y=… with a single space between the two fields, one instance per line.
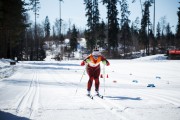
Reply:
x=12 y=27
x=18 y=37
x=119 y=37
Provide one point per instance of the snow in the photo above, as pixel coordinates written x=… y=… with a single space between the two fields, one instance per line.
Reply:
x=5 y=69
x=46 y=90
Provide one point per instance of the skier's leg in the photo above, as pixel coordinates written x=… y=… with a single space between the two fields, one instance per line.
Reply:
x=90 y=73
x=89 y=85
x=97 y=83
x=96 y=78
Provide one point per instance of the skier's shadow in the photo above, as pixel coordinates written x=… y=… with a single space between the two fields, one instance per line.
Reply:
x=123 y=98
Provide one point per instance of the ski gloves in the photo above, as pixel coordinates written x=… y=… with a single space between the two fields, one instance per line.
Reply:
x=105 y=62
x=82 y=63
x=85 y=61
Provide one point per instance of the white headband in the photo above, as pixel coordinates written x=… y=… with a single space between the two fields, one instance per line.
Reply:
x=96 y=53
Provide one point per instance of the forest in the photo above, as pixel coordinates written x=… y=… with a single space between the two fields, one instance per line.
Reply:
x=118 y=38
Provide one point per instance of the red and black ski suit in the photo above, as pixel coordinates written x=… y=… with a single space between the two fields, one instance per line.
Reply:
x=93 y=70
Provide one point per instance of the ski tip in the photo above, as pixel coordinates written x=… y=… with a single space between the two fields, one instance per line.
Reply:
x=100 y=96
x=90 y=96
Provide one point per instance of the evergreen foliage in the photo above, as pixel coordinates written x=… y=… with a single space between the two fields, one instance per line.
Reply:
x=178 y=29
x=113 y=25
x=92 y=15
x=102 y=35
x=12 y=26
x=35 y=7
x=25 y=40
x=145 y=22
x=125 y=29
x=47 y=27
x=73 y=39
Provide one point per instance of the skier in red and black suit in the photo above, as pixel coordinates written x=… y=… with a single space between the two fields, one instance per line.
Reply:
x=93 y=69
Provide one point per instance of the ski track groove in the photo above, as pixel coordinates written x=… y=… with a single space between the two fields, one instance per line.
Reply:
x=113 y=108
x=56 y=75
x=19 y=107
x=53 y=76
x=165 y=98
x=28 y=103
x=34 y=103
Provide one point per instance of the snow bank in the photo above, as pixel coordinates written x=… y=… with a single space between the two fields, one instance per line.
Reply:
x=153 y=57
x=6 y=69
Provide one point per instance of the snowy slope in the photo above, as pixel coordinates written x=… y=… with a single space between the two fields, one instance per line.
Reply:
x=47 y=91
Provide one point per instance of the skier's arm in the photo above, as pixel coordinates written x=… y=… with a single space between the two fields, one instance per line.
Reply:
x=105 y=61
x=86 y=60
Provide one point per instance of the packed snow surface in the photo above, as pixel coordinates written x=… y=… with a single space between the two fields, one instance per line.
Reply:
x=54 y=90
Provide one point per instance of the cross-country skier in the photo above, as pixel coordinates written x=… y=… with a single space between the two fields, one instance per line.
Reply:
x=92 y=63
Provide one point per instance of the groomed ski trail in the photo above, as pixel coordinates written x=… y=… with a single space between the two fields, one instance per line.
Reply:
x=113 y=108
x=28 y=103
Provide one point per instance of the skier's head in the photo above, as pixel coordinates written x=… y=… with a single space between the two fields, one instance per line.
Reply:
x=96 y=53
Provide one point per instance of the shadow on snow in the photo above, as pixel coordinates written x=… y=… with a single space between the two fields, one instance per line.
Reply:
x=45 y=68
x=56 y=64
x=123 y=98
x=9 y=116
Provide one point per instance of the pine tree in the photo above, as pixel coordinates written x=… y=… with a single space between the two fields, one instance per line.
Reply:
x=89 y=32
x=135 y=34
x=73 y=39
x=92 y=15
x=145 y=22
x=47 y=27
x=12 y=26
x=124 y=12
x=35 y=7
x=158 y=34
x=53 y=30
x=178 y=29
x=125 y=29
x=113 y=28
x=95 y=19
x=57 y=27
x=102 y=36
x=169 y=37
x=89 y=15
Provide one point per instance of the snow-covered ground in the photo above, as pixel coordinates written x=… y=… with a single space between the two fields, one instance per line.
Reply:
x=47 y=91
x=6 y=69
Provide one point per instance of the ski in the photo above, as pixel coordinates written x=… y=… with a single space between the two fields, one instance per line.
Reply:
x=100 y=96
x=90 y=96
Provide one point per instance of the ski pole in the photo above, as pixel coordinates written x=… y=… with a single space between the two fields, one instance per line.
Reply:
x=81 y=79
x=104 y=75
